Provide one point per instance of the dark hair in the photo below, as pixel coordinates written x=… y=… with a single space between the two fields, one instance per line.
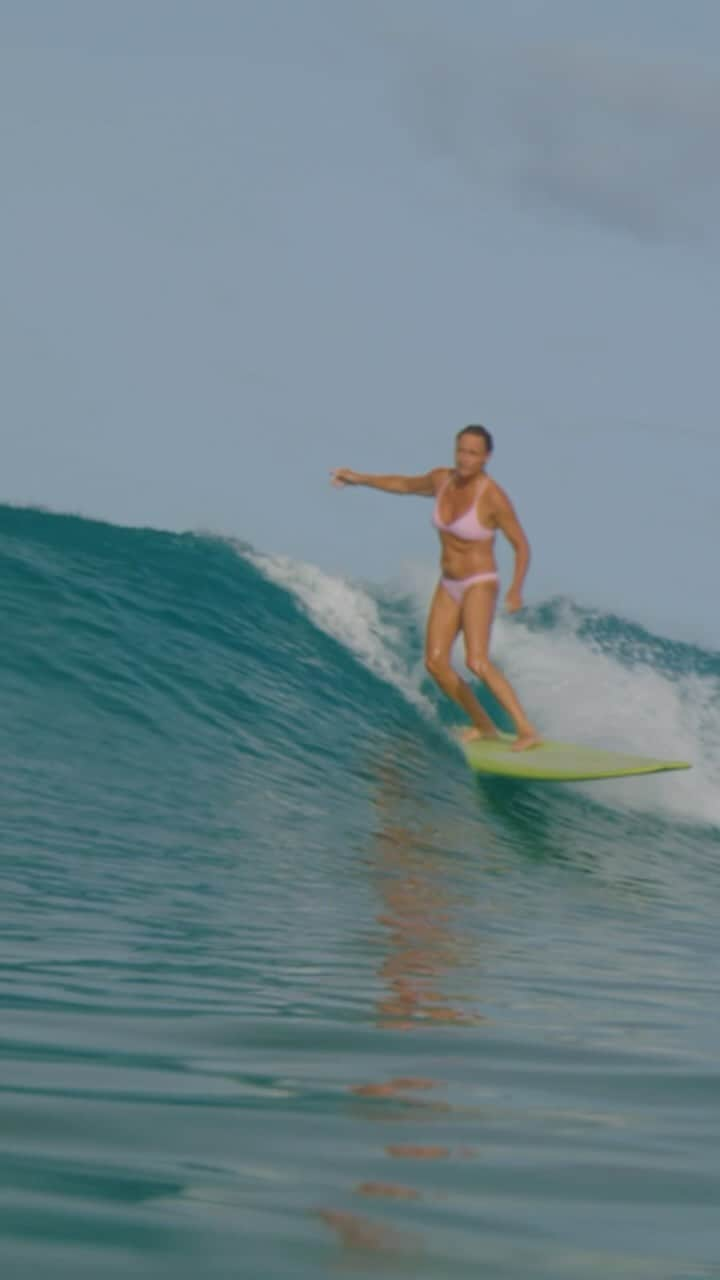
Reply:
x=482 y=432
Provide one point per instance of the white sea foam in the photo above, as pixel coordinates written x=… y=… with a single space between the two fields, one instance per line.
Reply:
x=570 y=687
x=350 y=614
x=576 y=692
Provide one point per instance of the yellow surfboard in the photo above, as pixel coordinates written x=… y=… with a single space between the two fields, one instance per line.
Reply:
x=558 y=761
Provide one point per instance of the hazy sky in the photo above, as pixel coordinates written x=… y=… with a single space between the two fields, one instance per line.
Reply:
x=245 y=242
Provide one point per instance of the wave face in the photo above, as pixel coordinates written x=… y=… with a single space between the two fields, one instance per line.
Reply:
x=247 y=874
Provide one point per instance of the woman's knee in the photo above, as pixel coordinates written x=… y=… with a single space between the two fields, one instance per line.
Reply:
x=479 y=664
x=437 y=666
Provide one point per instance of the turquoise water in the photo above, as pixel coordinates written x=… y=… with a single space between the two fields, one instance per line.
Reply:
x=285 y=989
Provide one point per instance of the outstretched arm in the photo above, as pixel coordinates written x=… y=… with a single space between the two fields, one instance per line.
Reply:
x=424 y=485
x=508 y=522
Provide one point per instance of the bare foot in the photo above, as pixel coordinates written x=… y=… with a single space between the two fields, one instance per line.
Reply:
x=473 y=734
x=525 y=741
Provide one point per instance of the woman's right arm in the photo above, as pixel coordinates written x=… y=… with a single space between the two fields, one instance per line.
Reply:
x=424 y=485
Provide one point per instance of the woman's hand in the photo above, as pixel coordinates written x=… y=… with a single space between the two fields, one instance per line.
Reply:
x=513 y=600
x=343 y=475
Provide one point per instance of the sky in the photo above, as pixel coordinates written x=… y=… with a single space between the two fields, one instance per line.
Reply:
x=247 y=241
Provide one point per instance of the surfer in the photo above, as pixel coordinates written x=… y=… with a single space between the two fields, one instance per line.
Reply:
x=469 y=509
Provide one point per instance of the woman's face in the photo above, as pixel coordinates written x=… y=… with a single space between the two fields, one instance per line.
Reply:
x=471 y=454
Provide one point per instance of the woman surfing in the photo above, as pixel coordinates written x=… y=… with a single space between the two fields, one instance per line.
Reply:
x=469 y=509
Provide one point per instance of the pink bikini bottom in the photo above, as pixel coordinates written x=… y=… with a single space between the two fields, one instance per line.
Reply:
x=456 y=587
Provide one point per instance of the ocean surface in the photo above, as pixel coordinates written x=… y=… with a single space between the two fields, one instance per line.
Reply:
x=286 y=991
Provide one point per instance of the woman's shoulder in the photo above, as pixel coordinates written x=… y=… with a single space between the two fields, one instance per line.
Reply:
x=496 y=495
x=439 y=477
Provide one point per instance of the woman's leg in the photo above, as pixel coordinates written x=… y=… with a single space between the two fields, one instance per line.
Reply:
x=478 y=611
x=442 y=628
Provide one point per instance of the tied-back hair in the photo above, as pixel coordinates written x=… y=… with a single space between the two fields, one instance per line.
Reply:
x=481 y=432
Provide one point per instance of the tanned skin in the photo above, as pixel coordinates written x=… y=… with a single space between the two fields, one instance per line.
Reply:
x=461 y=558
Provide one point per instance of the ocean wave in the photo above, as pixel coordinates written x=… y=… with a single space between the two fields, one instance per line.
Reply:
x=200 y=641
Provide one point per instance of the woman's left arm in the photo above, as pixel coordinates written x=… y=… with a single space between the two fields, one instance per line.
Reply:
x=507 y=521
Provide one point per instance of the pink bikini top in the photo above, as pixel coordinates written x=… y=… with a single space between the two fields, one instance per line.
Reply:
x=466 y=526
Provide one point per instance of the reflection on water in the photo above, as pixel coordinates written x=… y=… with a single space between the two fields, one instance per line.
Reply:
x=391 y=1088
x=388 y=1189
x=422 y=946
x=355 y=1232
